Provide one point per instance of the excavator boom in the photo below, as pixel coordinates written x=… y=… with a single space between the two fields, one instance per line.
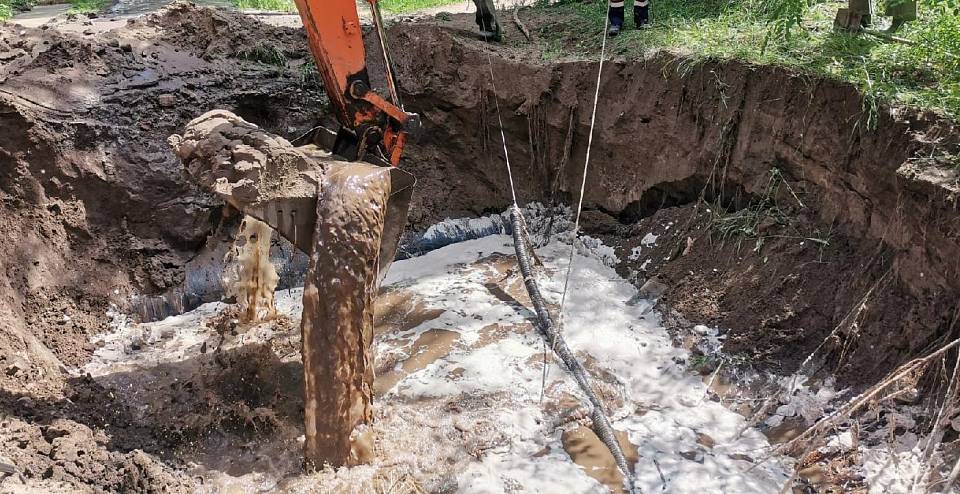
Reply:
x=345 y=214
x=367 y=120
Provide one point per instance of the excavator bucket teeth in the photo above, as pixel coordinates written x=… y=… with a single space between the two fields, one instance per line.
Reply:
x=266 y=177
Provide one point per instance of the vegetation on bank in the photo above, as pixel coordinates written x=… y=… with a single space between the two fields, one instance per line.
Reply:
x=401 y=6
x=8 y=8
x=268 y=5
x=921 y=68
x=88 y=6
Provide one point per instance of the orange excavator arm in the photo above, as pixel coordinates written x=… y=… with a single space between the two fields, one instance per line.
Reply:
x=368 y=121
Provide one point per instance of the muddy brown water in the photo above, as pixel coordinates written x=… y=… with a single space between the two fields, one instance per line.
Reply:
x=431 y=346
x=250 y=277
x=588 y=451
x=351 y=236
x=337 y=322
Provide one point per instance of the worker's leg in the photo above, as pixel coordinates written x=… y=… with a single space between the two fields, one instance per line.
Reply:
x=487 y=19
x=616 y=17
x=641 y=13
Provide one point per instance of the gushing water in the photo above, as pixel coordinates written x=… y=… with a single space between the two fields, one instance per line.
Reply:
x=250 y=277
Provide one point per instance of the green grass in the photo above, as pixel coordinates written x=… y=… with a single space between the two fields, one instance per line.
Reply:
x=401 y=6
x=269 y=5
x=924 y=74
x=88 y=6
x=10 y=7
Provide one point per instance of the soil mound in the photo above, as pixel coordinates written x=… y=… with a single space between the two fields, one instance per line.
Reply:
x=220 y=33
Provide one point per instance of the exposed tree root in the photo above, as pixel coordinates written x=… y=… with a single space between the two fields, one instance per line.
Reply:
x=520 y=26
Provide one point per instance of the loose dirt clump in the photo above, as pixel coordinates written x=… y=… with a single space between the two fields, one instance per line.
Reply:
x=66 y=456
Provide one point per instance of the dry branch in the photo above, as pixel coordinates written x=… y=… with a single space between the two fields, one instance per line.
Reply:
x=864 y=398
x=516 y=20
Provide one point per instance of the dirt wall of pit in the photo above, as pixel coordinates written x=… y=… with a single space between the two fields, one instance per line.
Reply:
x=669 y=132
x=95 y=205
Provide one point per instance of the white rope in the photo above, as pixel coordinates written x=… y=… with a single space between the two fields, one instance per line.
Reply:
x=583 y=181
x=503 y=137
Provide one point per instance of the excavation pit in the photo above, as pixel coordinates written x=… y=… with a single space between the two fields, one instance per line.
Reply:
x=754 y=223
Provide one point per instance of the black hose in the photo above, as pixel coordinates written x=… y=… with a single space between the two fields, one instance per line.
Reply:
x=601 y=424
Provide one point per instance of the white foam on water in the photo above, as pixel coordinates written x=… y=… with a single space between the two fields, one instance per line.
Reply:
x=889 y=471
x=664 y=408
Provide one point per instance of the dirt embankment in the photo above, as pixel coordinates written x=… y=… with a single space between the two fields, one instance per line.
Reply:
x=94 y=207
x=817 y=217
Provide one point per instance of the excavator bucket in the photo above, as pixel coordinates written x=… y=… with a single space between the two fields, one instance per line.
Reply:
x=266 y=177
x=348 y=216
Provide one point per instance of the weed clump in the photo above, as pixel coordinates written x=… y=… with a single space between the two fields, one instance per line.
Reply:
x=766 y=217
x=266 y=53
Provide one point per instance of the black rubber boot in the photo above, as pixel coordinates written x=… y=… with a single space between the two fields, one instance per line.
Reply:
x=641 y=13
x=616 y=19
x=487 y=21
